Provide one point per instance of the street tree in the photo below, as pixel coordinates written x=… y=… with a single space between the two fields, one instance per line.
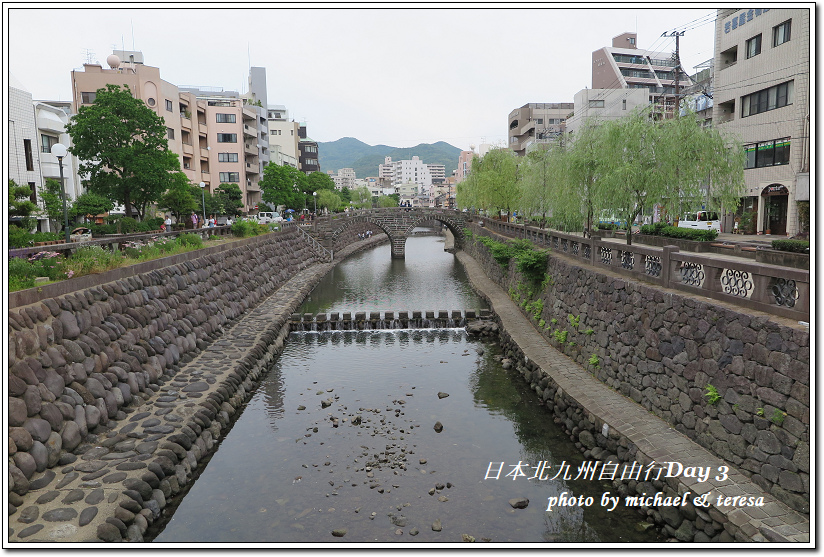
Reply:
x=179 y=199
x=388 y=201
x=52 y=197
x=329 y=200
x=493 y=182
x=283 y=185
x=668 y=162
x=319 y=181
x=540 y=170
x=231 y=199
x=21 y=207
x=579 y=186
x=90 y=204
x=361 y=198
x=124 y=150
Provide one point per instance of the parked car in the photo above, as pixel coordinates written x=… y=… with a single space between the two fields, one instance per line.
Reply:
x=266 y=217
x=700 y=220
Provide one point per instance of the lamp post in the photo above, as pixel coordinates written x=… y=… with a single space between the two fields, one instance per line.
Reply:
x=203 y=198
x=315 y=199
x=59 y=150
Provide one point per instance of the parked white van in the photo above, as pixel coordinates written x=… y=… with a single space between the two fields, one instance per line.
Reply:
x=265 y=217
x=701 y=220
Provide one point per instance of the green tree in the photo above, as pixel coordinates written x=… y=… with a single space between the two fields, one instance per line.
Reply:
x=388 y=201
x=319 y=181
x=231 y=199
x=179 y=198
x=345 y=195
x=580 y=187
x=329 y=200
x=493 y=182
x=21 y=205
x=90 y=204
x=51 y=195
x=283 y=185
x=669 y=162
x=124 y=149
x=540 y=170
x=361 y=198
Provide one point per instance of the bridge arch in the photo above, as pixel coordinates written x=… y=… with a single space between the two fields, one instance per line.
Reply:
x=398 y=223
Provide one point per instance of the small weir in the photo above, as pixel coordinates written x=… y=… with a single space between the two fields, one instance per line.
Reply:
x=383 y=320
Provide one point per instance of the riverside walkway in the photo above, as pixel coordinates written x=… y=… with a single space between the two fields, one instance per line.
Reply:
x=655 y=439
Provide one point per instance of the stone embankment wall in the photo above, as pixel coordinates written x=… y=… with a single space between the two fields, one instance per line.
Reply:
x=665 y=350
x=78 y=362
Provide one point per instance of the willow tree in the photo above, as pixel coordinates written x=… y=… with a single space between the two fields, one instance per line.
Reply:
x=541 y=171
x=584 y=189
x=644 y=161
x=495 y=179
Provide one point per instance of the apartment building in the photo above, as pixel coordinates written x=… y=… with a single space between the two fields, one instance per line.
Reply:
x=761 y=94
x=536 y=122
x=283 y=134
x=437 y=172
x=307 y=152
x=602 y=105
x=625 y=66
x=218 y=135
x=464 y=164
x=412 y=170
x=345 y=178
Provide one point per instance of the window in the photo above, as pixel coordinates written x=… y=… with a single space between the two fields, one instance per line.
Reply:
x=624 y=104
x=226 y=118
x=767 y=153
x=596 y=104
x=87 y=98
x=540 y=122
x=274 y=132
x=229 y=177
x=46 y=142
x=227 y=138
x=781 y=33
x=767 y=99
x=168 y=105
x=632 y=41
x=150 y=101
x=29 y=155
x=33 y=196
x=227 y=157
x=170 y=133
x=754 y=46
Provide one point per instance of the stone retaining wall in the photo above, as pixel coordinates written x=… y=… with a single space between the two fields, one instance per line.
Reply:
x=664 y=350
x=77 y=360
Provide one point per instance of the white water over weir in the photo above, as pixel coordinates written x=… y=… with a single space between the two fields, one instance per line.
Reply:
x=383 y=320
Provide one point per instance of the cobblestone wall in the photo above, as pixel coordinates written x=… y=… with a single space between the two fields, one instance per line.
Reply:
x=77 y=360
x=671 y=353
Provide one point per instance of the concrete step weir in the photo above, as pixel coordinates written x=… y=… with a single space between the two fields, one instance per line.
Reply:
x=384 y=320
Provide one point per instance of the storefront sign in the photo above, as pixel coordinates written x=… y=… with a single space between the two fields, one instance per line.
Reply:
x=775 y=189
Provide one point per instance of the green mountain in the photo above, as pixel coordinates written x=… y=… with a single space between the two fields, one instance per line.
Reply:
x=349 y=152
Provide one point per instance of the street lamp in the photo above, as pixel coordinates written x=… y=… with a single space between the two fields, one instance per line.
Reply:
x=315 y=199
x=203 y=197
x=59 y=151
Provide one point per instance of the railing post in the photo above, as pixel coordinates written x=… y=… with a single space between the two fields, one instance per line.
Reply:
x=666 y=264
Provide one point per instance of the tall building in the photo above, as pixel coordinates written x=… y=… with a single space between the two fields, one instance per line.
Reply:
x=536 y=122
x=283 y=136
x=219 y=136
x=412 y=170
x=464 y=165
x=625 y=66
x=762 y=95
x=345 y=178
x=437 y=172
x=307 y=152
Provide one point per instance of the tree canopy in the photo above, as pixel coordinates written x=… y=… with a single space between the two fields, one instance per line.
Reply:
x=283 y=185
x=230 y=198
x=90 y=204
x=21 y=205
x=123 y=149
x=51 y=196
x=179 y=199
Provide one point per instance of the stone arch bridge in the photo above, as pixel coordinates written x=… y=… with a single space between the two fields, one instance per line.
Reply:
x=396 y=222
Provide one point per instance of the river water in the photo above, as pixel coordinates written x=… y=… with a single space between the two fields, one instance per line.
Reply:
x=341 y=433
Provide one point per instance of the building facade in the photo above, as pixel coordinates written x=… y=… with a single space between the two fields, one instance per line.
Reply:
x=536 y=122
x=625 y=66
x=219 y=136
x=604 y=104
x=762 y=95
x=307 y=152
x=464 y=165
x=283 y=134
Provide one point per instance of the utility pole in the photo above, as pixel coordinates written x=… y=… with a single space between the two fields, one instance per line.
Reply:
x=677 y=35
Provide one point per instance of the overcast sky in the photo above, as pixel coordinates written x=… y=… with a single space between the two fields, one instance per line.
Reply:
x=392 y=76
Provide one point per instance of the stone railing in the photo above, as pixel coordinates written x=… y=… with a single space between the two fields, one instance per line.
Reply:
x=772 y=289
x=114 y=241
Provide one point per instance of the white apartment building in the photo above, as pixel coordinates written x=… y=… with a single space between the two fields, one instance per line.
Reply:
x=283 y=132
x=407 y=171
x=345 y=178
x=762 y=95
x=437 y=172
x=604 y=104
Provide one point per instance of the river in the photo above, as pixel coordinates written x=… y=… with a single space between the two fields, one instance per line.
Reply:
x=341 y=435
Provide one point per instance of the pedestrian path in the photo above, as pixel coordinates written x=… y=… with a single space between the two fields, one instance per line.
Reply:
x=655 y=439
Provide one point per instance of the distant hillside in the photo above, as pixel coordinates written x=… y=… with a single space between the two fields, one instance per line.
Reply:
x=349 y=152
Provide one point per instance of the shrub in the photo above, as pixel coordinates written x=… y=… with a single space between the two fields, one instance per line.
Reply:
x=561 y=336
x=190 y=240
x=594 y=361
x=19 y=238
x=242 y=229
x=794 y=246
x=662 y=229
x=128 y=225
x=93 y=259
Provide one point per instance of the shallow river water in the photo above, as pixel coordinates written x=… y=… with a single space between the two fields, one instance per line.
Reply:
x=341 y=435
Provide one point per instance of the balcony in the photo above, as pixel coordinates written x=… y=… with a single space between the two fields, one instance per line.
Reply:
x=250 y=149
x=188 y=149
x=249 y=131
x=201 y=129
x=204 y=153
x=185 y=123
